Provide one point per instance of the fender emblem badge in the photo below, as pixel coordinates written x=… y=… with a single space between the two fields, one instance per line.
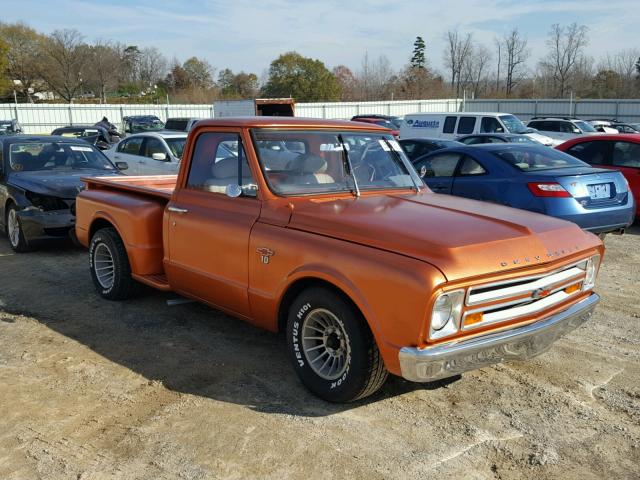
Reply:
x=541 y=293
x=265 y=253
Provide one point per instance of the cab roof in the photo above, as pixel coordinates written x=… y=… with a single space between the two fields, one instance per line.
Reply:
x=288 y=122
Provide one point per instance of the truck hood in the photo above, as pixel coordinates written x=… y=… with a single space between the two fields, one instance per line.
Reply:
x=55 y=183
x=461 y=237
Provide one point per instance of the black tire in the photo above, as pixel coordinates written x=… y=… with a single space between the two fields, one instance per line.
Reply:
x=122 y=285
x=18 y=244
x=363 y=371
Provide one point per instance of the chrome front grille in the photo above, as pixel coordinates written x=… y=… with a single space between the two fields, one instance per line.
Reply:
x=520 y=297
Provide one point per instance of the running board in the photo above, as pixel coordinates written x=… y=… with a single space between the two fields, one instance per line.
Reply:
x=159 y=281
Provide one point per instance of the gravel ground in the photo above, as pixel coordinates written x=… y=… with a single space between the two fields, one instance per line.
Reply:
x=91 y=389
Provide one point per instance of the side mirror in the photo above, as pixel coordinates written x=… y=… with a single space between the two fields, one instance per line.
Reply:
x=499 y=130
x=162 y=157
x=576 y=130
x=122 y=165
x=233 y=190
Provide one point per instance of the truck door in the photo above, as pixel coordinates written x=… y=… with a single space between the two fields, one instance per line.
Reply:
x=208 y=229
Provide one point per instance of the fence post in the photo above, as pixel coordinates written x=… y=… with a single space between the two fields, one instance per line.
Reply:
x=324 y=111
x=15 y=109
x=70 y=115
x=617 y=108
x=535 y=108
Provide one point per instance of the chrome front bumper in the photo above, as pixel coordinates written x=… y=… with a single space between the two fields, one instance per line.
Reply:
x=446 y=360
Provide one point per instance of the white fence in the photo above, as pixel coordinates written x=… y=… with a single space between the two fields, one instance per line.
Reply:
x=43 y=118
x=623 y=110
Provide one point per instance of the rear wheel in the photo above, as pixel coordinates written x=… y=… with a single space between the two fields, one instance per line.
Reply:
x=14 y=231
x=109 y=264
x=332 y=348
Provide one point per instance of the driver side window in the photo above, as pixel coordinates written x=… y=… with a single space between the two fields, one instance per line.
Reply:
x=220 y=160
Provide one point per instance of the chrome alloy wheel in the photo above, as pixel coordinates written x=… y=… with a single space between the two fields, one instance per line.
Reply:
x=104 y=266
x=325 y=344
x=13 y=228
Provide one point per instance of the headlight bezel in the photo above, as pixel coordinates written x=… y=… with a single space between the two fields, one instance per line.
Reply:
x=451 y=325
x=591 y=272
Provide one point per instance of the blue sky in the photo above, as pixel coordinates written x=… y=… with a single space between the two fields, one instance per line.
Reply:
x=248 y=35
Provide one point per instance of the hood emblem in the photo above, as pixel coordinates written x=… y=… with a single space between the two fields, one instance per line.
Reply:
x=540 y=293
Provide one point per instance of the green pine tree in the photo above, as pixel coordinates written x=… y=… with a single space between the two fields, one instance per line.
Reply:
x=418 y=59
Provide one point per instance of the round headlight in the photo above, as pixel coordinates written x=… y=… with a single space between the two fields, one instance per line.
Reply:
x=441 y=312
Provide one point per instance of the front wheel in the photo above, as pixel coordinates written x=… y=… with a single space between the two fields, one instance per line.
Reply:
x=14 y=231
x=332 y=348
x=109 y=264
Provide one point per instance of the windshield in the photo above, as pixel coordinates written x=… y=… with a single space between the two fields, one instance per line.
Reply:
x=513 y=124
x=386 y=124
x=308 y=162
x=584 y=126
x=531 y=159
x=146 y=125
x=176 y=145
x=397 y=122
x=36 y=156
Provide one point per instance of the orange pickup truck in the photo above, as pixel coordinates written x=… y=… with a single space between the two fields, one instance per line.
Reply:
x=323 y=230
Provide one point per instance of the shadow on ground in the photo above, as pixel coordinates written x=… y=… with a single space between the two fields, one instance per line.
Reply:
x=190 y=348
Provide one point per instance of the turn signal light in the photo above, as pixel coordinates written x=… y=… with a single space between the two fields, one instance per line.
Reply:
x=572 y=288
x=547 y=189
x=472 y=319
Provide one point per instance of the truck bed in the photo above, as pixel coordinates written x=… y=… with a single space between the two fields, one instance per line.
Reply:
x=161 y=186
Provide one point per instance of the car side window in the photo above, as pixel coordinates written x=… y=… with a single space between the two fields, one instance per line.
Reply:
x=442 y=165
x=131 y=146
x=594 y=153
x=409 y=148
x=490 y=125
x=626 y=154
x=216 y=164
x=470 y=167
x=466 y=125
x=449 y=124
x=153 y=145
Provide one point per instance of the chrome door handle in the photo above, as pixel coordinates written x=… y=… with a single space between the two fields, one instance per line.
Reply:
x=177 y=210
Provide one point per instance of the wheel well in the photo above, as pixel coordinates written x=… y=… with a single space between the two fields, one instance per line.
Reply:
x=97 y=225
x=298 y=286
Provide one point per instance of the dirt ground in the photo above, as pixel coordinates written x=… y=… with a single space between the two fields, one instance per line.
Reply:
x=91 y=389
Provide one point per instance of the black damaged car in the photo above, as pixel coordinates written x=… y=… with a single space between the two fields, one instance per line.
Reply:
x=39 y=181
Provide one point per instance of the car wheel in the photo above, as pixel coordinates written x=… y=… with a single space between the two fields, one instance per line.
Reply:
x=332 y=348
x=109 y=264
x=14 y=231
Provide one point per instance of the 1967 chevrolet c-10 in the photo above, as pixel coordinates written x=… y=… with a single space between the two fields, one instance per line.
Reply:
x=323 y=230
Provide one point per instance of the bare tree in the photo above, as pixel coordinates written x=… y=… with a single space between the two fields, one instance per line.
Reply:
x=374 y=78
x=63 y=56
x=475 y=68
x=455 y=56
x=516 y=55
x=566 y=45
x=103 y=68
x=152 y=67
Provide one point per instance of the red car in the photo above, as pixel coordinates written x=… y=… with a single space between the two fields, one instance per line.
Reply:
x=379 y=121
x=614 y=152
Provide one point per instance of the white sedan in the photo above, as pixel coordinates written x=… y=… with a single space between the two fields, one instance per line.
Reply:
x=150 y=153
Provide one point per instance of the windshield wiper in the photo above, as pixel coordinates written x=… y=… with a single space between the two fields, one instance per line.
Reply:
x=346 y=164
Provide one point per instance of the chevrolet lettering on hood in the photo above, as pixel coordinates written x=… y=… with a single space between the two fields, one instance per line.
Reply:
x=539 y=258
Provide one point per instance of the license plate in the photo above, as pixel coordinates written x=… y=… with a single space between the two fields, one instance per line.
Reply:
x=599 y=191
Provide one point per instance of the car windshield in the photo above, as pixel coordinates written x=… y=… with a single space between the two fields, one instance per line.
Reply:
x=306 y=162
x=584 y=126
x=513 y=124
x=531 y=158
x=36 y=156
x=397 y=122
x=146 y=125
x=386 y=124
x=176 y=145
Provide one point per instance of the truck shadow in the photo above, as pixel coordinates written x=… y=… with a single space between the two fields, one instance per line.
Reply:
x=189 y=348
